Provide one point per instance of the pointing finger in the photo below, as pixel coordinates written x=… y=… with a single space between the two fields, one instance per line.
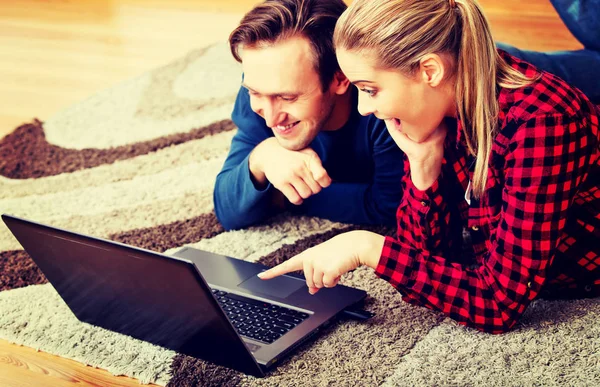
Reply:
x=292 y=264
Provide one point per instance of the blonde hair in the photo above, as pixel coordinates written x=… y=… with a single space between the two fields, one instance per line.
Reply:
x=398 y=33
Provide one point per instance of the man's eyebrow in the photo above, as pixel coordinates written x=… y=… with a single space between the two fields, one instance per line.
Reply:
x=287 y=93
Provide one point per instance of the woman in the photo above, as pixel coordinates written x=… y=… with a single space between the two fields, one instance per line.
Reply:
x=501 y=200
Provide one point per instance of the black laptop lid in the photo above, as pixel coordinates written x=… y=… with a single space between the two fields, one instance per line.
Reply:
x=153 y=297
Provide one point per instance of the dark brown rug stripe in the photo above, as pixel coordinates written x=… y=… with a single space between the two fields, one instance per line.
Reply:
x=188 y=371
x=167 y=236
x=25 y=153
x=17 y=270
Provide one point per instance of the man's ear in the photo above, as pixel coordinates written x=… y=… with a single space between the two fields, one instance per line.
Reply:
x=432 y=69
x=339 y=84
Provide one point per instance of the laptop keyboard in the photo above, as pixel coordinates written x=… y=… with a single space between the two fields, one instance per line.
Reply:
x=258 y=320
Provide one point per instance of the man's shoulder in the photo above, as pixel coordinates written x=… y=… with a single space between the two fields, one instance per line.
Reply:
x=373 y=128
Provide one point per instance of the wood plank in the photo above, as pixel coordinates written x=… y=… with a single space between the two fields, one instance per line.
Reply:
x=22 y=366
x=55 y=53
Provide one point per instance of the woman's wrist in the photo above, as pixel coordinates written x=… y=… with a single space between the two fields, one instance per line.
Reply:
x=424 y=173
x=370 y=247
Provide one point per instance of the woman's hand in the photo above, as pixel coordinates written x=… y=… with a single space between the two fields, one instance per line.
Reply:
x=324 y=264
x=425 y=157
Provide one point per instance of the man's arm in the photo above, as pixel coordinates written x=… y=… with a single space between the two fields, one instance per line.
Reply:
x=238 y=203
x=582 y=18
x=373 y=202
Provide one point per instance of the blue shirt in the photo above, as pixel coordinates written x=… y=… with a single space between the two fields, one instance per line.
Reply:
x=361 y=158
x=582 y=18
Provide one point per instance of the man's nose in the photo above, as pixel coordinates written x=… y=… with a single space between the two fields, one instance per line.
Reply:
x=365 y=104
x=272 y=114
x=268 y=110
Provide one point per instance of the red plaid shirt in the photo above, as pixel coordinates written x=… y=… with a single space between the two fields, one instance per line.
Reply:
x=533 y=233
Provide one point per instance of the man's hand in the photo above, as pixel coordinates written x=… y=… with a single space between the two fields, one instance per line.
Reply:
x=324 y=264
x=297 y=174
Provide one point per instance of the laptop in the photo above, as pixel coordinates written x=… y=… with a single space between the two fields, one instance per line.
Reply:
x=204 y=305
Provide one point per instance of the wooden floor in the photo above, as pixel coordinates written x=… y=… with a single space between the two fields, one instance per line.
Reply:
x=54 y=53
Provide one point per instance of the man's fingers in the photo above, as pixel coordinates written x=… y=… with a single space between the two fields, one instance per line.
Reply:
x=301 y=188
x=290 y=193
x=314 y=186
x=305 y=176
x=318 y=172
x=292 y=264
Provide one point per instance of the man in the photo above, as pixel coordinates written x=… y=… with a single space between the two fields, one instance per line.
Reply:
x=301 y=144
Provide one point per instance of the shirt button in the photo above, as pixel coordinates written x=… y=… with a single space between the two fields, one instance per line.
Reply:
x=529 y=284
x=475 y=228
x=424 y=203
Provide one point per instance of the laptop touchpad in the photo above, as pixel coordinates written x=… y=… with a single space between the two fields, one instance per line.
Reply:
x=280 y=287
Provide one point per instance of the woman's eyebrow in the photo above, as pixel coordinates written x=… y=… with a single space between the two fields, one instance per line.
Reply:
x=361 y=81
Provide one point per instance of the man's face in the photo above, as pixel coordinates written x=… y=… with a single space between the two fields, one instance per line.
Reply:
x=286 y=90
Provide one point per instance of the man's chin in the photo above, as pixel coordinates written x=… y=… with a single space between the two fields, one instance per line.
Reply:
x=291 y=144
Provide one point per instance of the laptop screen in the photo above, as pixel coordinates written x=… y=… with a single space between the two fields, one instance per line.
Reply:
x=156 y=298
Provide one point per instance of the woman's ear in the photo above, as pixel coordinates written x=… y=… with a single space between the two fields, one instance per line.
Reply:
x=339 y=84
x=432 y=69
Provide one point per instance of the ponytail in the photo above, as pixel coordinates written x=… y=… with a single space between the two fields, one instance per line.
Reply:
x=479 y=69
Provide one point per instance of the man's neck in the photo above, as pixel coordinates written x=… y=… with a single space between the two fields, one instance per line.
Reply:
x=340 y=114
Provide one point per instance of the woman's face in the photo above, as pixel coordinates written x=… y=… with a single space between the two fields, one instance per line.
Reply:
x=413 y=105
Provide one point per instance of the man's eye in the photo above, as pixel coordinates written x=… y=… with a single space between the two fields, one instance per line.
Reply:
x=369 y=91
x=287 y=99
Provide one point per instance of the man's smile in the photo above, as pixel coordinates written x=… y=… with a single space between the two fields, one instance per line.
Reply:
x=285 y=129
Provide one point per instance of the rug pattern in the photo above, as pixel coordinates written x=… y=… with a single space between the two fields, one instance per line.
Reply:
x=136 y=163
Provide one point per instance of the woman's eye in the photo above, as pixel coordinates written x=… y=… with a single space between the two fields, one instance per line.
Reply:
x=369 y=91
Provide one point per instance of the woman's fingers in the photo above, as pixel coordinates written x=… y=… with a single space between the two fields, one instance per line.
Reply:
x=313 y=291
x=293 y=264
x=309 y=273
x=330 y=281
x=317 y=278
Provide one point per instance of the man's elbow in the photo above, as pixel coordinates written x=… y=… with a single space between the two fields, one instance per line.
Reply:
x=225 y=216
x=227 y=223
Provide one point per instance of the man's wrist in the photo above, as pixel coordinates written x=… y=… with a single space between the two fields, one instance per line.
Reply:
x=257 y=174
